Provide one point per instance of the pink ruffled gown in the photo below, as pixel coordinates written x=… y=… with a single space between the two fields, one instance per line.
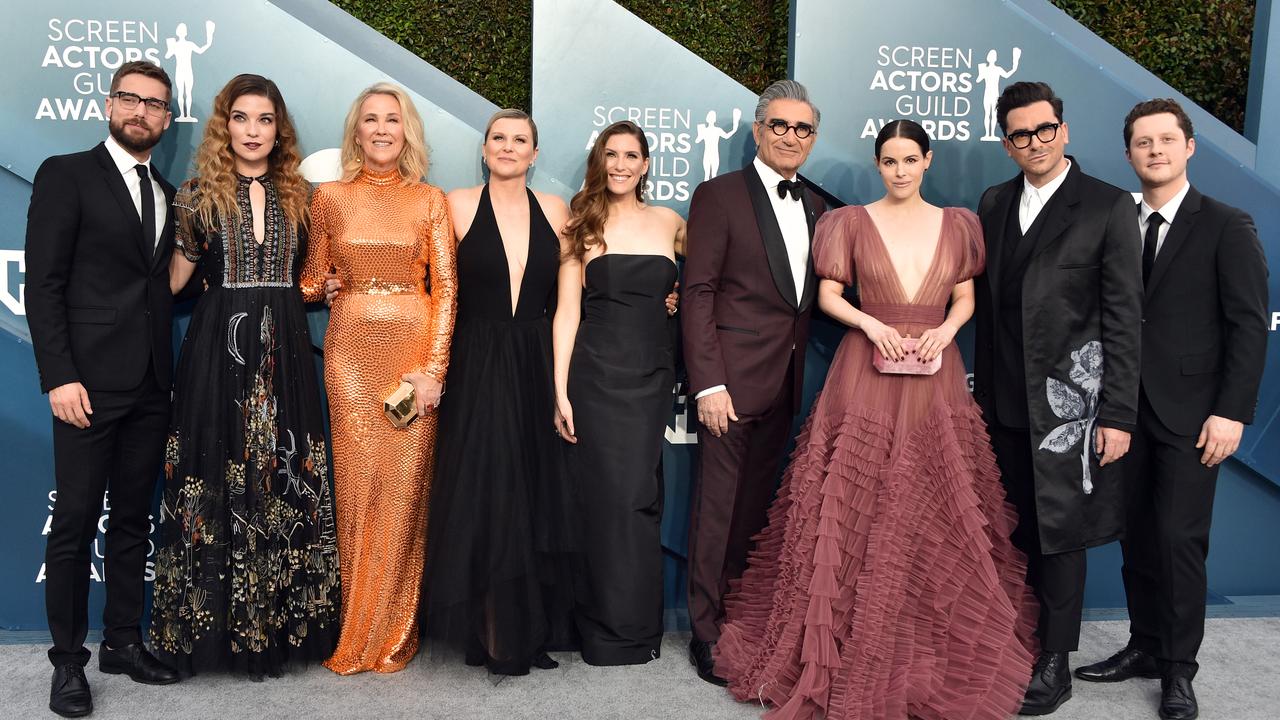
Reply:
x=885 y=585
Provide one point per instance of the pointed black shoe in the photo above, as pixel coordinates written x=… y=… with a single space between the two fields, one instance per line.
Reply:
x=1128 y=663
x=700 y=658
x=1050 y=685
x=69 y=694
x=1178 y=700
x=137 y=662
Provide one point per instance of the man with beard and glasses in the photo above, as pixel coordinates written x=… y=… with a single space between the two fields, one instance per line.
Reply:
x=99 y=237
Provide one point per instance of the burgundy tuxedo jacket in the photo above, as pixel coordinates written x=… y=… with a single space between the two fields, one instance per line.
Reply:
x=743 y=323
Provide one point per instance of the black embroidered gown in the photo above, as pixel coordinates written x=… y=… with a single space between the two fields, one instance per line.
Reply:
x=246 y=576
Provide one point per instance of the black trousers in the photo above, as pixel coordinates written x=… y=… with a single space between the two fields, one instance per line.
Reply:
x=120 y=451
x=1057 y=579
x=1169 y=509
x=737 y=478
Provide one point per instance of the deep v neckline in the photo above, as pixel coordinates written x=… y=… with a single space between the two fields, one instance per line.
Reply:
x=513 y=299
x=888 y=256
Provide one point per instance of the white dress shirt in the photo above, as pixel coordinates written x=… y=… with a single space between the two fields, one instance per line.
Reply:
x=1167 y=212
x=794 y=225
x=126 y=164
x=1035 y=198
x=792 y=222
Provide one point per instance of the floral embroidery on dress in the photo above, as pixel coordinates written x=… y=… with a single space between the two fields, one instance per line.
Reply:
x=1079 y=409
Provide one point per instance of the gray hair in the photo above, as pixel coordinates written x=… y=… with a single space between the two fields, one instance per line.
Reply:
x=786 y=90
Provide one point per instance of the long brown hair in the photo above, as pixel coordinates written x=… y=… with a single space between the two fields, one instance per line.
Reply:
x=216 y=161
x=589 y=209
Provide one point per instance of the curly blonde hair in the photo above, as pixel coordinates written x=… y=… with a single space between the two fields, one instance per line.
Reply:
x=215 y=162
x=415 y=156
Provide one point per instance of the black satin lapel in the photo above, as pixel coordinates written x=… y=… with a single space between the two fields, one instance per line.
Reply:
x=1179 y=230
x=810 y=279
x=1005 y=197
x=115 y=183
x=775 y=248
x=166 y=235
x=1061 y=210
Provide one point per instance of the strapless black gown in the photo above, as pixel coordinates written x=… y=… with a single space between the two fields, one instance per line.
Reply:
x=620 y=383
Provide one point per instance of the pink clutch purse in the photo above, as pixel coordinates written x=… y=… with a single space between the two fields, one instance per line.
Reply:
x=909 y=365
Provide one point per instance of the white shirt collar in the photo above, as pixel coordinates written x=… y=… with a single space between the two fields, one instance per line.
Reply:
x=1169 y=210
x=768 y=175
x=1047 y=190
x=123 y=160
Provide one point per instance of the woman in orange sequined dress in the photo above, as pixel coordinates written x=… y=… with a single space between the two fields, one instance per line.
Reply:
x=385 y=232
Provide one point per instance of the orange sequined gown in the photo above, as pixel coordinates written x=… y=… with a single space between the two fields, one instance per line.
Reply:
x=384 y=238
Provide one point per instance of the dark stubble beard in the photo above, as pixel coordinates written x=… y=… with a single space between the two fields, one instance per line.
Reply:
x=116 y=128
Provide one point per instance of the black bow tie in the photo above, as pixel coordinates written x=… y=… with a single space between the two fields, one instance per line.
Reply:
x=795 y=187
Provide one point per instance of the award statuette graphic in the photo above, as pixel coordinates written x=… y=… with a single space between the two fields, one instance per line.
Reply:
x=710 y=135
x=990 y=74
x=181 y=49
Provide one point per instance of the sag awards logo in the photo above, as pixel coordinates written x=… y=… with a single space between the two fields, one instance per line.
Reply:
x=96 y=567
x=13 y=263
x=935 y=86
x=682 y=152
x=95 y=49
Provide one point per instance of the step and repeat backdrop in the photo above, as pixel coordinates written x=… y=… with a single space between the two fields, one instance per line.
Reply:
x=863 y=67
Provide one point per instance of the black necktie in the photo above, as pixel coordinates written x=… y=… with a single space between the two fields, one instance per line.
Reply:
x=795 y=187
x=1149 y=244
x=148 y=206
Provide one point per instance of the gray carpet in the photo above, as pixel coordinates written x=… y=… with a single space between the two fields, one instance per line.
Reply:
x=1238 y=681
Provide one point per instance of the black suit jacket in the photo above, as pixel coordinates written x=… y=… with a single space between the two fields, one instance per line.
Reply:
x=97 y=296
x=1081 y=317
x=1204 y=325
x=743 y=322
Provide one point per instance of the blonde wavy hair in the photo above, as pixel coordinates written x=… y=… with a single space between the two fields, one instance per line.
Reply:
x=215 y=162
x=415 y=156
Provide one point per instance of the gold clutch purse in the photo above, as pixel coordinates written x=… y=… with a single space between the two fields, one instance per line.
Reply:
x=400 y=407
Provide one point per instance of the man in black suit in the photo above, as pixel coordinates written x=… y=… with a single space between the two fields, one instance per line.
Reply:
x=99 y=238
x=1056 y=363
x=1204 y=340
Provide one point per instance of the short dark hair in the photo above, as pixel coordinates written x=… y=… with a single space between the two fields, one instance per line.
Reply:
x=1022 y=94
x=1156 y=107
x=909 y=129
x=144 y=68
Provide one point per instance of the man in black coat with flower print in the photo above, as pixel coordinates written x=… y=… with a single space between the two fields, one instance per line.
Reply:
x=1056 y=363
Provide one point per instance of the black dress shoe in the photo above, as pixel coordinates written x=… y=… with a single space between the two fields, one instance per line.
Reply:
x=1128 y=663
x=1050 y=685
x=69 y=695
x=1177 y=699
x=135 y=661
x=700 y=658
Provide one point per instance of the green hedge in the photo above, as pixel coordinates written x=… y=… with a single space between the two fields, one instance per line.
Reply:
x=1200 y=47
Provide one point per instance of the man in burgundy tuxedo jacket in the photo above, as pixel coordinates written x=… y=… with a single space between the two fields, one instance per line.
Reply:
x=749 y=292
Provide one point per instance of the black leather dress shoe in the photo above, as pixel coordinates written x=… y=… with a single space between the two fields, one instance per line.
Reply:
x=1050 y=685
x=135 y=661
x=700 y=658
x=69 y=695
x=1177 y=699
x=1128 y=663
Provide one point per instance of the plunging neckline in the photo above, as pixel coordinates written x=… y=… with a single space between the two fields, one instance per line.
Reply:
x=888 y=256
x=513 y=299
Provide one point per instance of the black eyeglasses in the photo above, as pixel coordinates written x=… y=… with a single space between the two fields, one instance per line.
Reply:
x=129 y=101
x=1045 y=134
x=780 y=128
